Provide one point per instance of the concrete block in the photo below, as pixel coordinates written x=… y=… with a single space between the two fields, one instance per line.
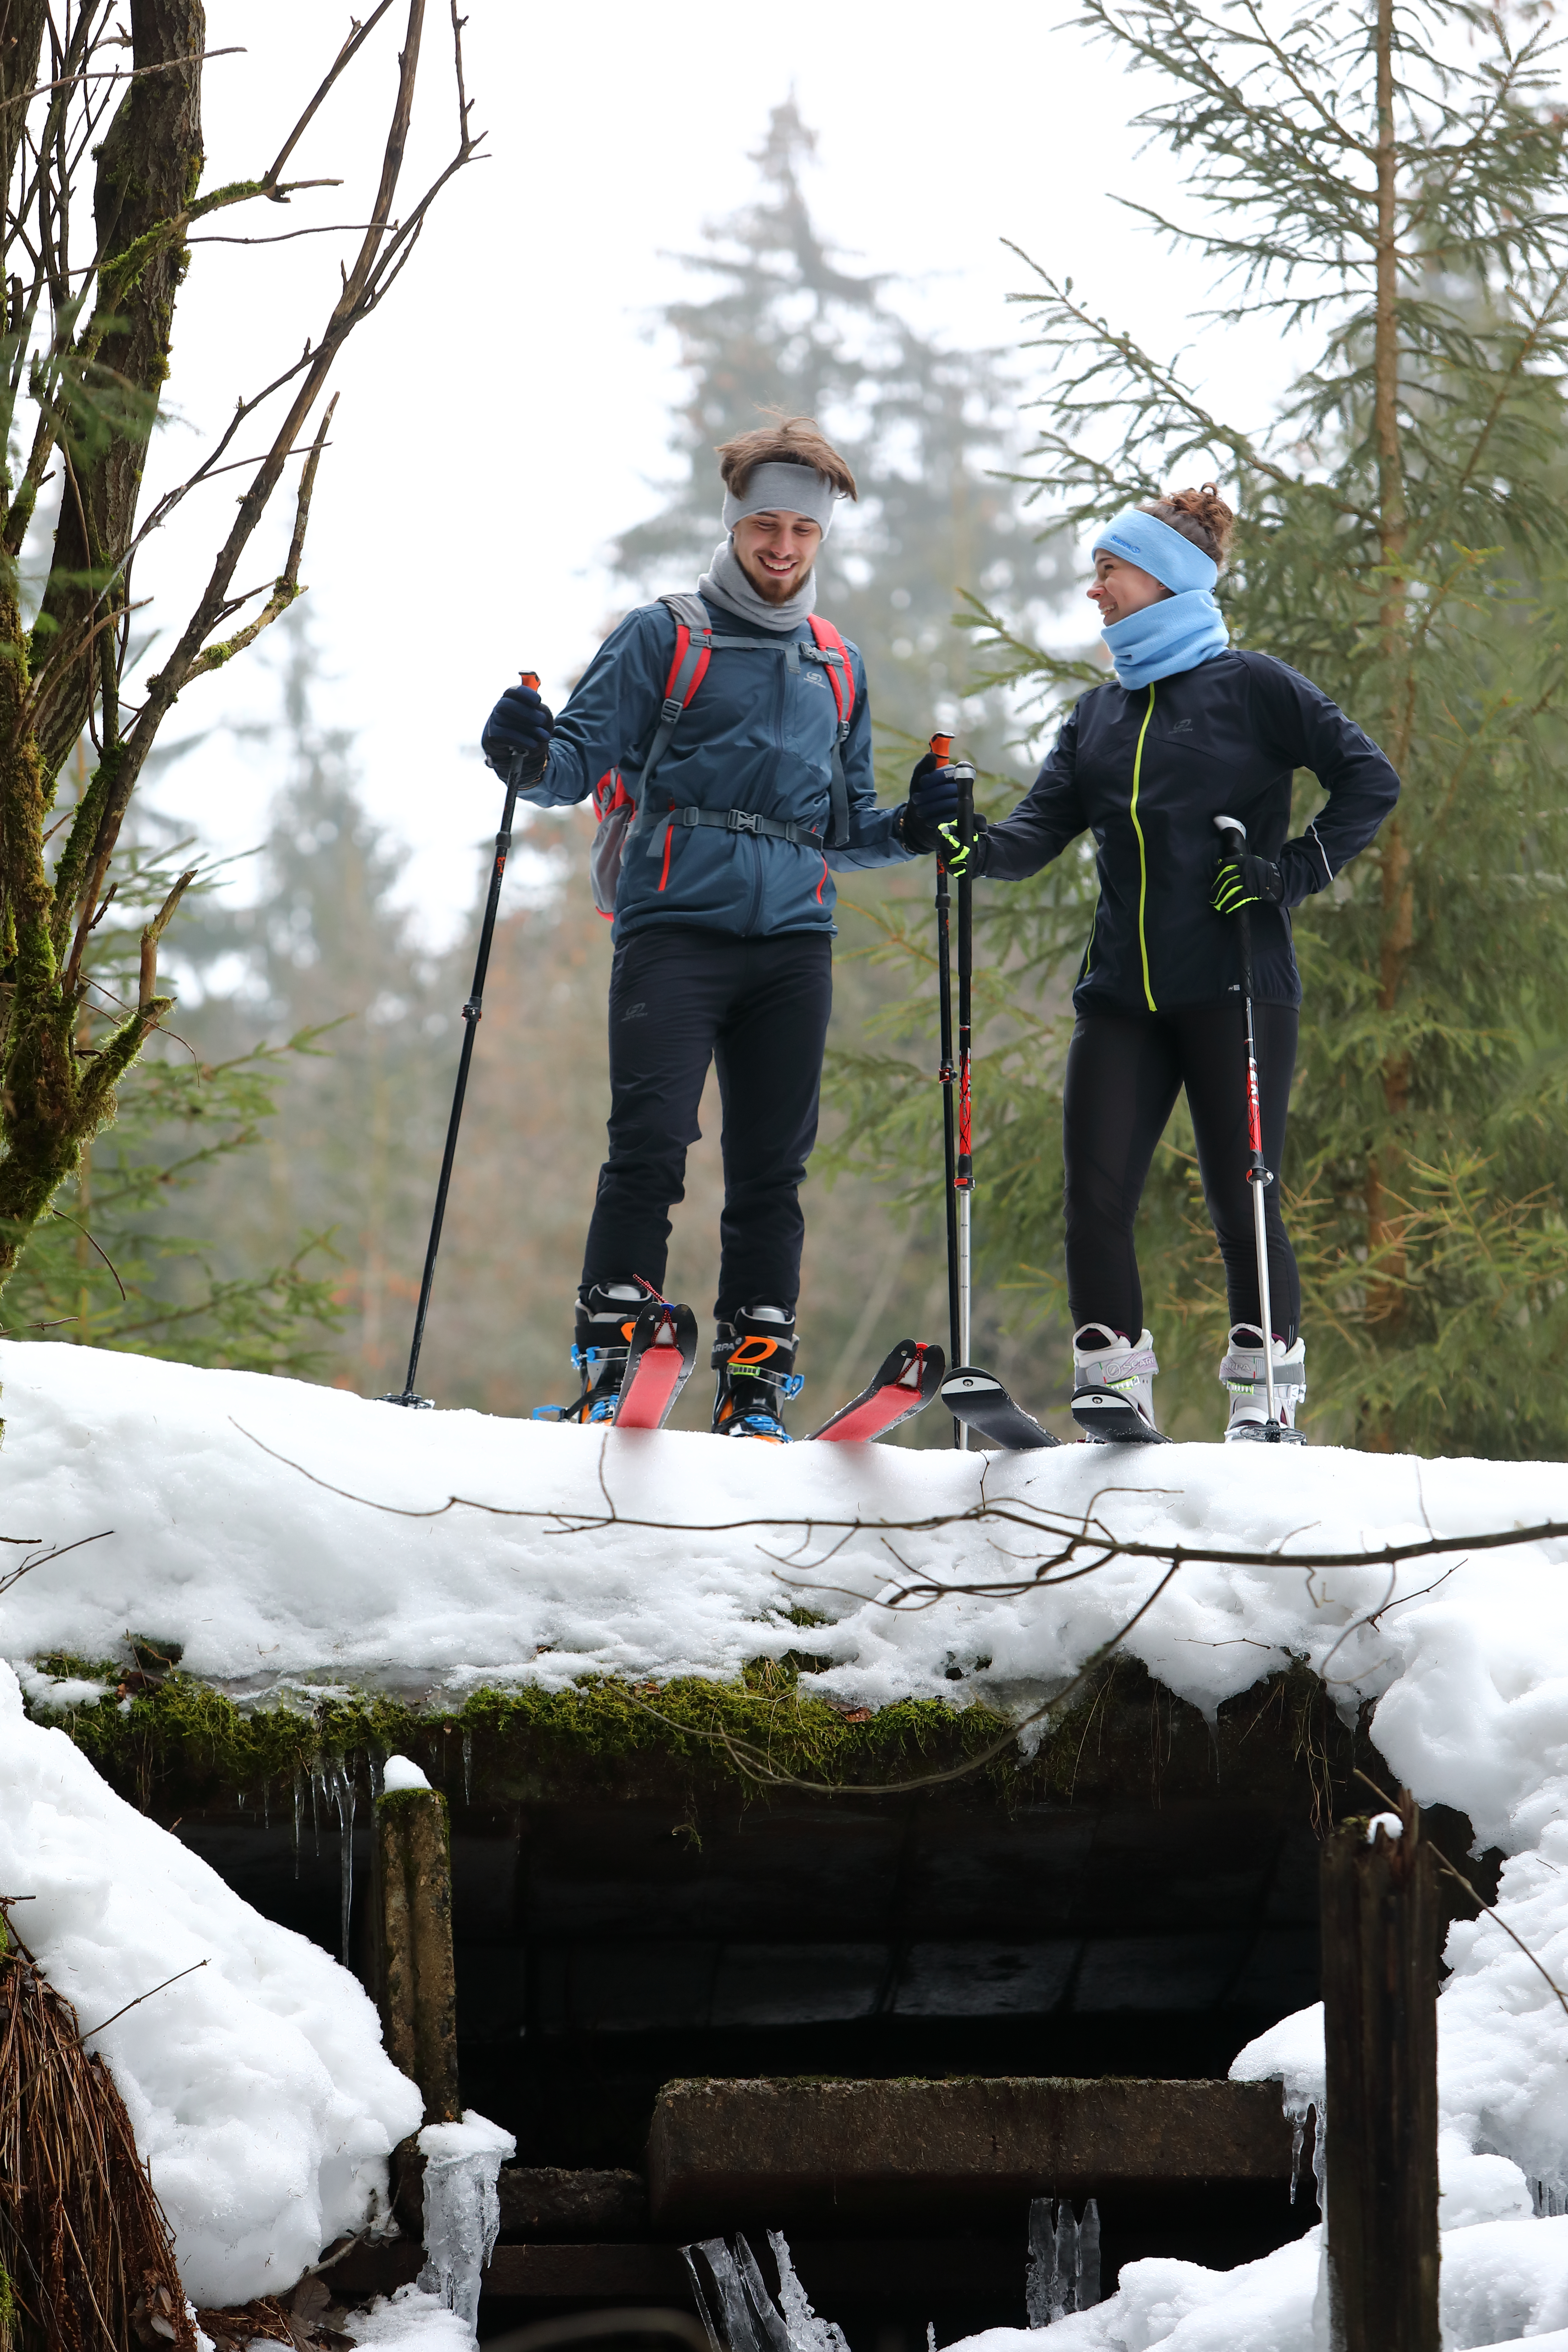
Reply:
x=798 y=2150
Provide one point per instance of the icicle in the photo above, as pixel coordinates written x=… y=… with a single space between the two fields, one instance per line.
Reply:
x=345 y=1793
x=462 y=2212
x=317 y=1784
x=807 y=2333
x=931 y=2336
x=1038 y=2279
x=239 y=1799
x=1064 y=2281
x=298 y=1808
x=1089 y=2257
x=467 y=1767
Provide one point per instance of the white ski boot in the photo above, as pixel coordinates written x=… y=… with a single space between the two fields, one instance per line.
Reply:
x=1113 y=1387
x=1242 y=1373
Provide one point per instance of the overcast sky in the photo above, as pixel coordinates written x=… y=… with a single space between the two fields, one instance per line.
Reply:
x=506 y=413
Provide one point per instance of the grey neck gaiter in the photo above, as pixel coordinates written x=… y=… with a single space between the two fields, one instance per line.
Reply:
x=726 y=585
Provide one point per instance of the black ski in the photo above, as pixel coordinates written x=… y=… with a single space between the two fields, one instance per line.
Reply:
x=979 y=1400
x=907 y=1378
x=1107 y=1418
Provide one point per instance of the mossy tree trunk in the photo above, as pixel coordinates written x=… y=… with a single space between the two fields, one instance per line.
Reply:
x=86 y=355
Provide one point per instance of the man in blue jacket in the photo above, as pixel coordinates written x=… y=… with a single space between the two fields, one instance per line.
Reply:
x=749 y=772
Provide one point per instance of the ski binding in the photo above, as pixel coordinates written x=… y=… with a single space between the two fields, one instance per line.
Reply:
x=659 y=1356
x=906 y=1380
x=1107 y=1418
x=979 y=1400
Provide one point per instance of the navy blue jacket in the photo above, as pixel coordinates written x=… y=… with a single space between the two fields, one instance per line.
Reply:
x=1148 y=770
x=758 y=735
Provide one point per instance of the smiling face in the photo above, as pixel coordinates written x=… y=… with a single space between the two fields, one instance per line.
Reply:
x=776 y=552
x=1121 y=589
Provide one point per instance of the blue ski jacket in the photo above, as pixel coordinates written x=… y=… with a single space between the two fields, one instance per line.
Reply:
x=1147 y=770
x=758 y=737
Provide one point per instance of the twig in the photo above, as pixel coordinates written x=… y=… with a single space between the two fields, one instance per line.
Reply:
x=89 y=2030
x=1476 y=1896
x=153 y=933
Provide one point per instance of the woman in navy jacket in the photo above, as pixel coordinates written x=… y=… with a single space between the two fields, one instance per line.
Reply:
x=1191 y=730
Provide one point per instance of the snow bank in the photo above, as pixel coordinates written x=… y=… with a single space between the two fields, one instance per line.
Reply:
x=228 y=1540
x=1503 y=2284
x=258 y=2085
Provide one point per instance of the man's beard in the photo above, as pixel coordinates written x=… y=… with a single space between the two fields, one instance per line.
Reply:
x=769 y=587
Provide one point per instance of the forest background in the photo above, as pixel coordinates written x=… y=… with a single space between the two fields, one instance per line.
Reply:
x=1419 y=194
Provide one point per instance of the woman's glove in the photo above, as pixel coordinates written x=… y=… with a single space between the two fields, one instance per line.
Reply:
x=928 y=822
x=1242 y=880
x=518 y=723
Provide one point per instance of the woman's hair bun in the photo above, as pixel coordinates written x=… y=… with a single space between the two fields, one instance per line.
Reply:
x=1200 y=515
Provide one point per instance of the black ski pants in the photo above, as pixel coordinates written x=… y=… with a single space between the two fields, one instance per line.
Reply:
x=679 y=999
x=1124 y=1072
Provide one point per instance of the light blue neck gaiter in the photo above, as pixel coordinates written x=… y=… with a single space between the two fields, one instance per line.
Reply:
x=1182 y=629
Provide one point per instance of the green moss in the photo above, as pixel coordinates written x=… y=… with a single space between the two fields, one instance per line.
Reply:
x=179 y=1744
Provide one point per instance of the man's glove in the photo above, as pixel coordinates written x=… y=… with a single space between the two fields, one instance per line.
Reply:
x=518 y=723
x=933 y=793
x=1242 y=880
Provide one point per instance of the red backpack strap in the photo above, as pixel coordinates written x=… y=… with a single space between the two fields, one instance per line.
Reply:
x=693 y=651
x=841 y=678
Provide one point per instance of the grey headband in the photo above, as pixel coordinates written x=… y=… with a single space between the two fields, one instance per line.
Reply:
x=781 y=487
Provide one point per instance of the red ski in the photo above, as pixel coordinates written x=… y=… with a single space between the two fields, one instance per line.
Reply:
x=908 y=1380
x=659 y=1357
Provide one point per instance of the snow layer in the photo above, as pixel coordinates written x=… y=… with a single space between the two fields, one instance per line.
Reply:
x=227 y=1539
x=256 y=2085
x=1503 y=2284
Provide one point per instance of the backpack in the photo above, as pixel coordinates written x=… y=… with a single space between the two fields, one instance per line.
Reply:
x=618 y=813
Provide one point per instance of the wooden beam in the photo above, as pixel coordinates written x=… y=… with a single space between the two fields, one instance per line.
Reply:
x=793 y=2149
x=1380 y=1932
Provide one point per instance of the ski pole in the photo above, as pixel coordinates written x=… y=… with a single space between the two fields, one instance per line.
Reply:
x=1233 y=834
x=472 y=1012
x=963 y=1176
x=941 y=746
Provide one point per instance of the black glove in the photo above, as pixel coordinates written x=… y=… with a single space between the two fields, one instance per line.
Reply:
x=942 y=840
x=933 y=793
x=520 y=722
x=1242 y=880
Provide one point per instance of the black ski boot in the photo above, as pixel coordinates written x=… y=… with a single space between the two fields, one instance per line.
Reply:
x=754 y=1358
x=607 y=1317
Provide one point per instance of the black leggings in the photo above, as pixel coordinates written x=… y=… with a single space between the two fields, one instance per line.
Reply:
x=1124 y=1072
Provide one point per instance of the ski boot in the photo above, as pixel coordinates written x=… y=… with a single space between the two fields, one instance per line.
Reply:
x=1241 y=1371
x=607 y=1317
x=754 y=1358
x=1113 y=1387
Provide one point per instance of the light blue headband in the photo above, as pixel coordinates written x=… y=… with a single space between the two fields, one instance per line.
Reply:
x=1143 y=539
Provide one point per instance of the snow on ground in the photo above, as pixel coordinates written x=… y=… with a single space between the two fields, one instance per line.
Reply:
x=226 y=1538
x=258 y=2085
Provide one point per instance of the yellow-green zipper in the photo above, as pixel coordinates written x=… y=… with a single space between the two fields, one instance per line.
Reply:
x=1142 y=855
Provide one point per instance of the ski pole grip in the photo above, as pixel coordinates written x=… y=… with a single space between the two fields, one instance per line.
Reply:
x=1232 y=832
x=529 y=677
x=941 y=749
x=964 y=776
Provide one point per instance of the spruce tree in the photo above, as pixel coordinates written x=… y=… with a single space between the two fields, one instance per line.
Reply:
x=925 y=430
x=1387 y=187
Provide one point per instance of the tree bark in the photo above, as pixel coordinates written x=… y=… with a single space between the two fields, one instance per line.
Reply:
x=1398 y=910
x=1380 y=1928
x=148 y=169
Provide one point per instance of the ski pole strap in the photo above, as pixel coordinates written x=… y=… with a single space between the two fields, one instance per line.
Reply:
x=742 y=821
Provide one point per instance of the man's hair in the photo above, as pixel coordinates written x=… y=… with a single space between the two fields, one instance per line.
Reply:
x=785 y=441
